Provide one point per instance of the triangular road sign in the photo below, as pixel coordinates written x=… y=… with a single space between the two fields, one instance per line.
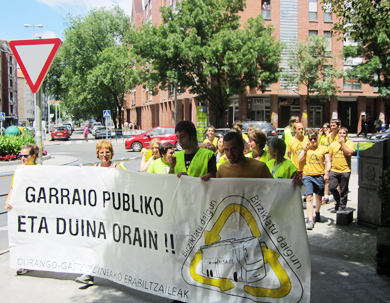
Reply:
x=34 y=58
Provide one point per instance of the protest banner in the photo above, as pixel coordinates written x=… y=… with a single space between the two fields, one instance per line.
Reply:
x=226 y=240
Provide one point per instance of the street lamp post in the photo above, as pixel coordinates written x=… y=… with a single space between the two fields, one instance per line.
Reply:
x=34 y=26
x=38 y=108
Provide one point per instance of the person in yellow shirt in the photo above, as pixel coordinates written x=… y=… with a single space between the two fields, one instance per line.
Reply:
x=323 y=134
x=288 y=133
x=28 y=156
x=238 y=125
x=334 y=129
x=210 y=132
x=340 y=168
x=295 y=146
x=314 y=174
x=148 y=156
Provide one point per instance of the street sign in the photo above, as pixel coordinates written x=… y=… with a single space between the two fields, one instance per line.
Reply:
x=106 y=113
x=34 y=58
x=2 y=116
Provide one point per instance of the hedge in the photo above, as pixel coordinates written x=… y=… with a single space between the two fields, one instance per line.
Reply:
x=11 y=145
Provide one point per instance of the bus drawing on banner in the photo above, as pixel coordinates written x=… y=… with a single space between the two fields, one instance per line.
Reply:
x=239 y=260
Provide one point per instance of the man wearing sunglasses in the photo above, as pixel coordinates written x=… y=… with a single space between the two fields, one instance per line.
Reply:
x=315 y=172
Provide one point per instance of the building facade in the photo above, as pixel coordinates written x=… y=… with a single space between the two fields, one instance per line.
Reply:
x=293 y=21
x=25 y=101
x=8 y=85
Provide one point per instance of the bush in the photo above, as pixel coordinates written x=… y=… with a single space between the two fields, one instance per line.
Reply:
x=11 y=145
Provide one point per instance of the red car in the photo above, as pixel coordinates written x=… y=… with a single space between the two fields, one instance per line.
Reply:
x=60 y=132
x=164 y=133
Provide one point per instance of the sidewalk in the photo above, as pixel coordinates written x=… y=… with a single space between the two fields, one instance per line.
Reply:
x=343 y=269
x=343 y=258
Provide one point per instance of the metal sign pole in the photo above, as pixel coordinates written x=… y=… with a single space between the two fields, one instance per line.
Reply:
x=105 y=121
x=38 y=123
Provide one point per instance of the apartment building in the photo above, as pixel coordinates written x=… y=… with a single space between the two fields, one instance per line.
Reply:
x=25 y=101
x=8 y=85
x=292 y=20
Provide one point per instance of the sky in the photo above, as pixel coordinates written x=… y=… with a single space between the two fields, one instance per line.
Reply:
x=50 y=13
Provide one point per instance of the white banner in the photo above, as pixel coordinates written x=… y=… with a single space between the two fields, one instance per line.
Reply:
x=226 y=240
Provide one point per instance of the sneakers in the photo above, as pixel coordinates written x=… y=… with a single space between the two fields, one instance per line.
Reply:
x=318 y=217
x=22 y=271
x=325 y=200
x=85 y=279
x=310 y=225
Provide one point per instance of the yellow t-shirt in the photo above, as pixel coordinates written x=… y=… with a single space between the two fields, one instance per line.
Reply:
x=340 y=163
x=332 y=138
x=215 y=141
x=294 y=147
x=315 y=159
x=252 y=168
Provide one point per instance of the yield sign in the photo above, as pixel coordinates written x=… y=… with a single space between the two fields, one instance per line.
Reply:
x=34 y=58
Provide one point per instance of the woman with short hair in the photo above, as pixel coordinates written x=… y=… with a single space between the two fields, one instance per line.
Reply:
x=257 y=140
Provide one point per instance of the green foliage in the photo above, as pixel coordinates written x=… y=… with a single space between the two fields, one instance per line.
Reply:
x=383 y=192
x=203 y=48
x=94 y=68
x=11 y=145
x=312 y=67
x=366 y=23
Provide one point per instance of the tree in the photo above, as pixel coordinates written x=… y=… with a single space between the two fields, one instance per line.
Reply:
x=367 y=24
x=202 y=47
x=311 y=66
x=94 y=67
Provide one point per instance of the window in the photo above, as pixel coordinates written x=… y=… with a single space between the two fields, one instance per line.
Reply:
x=351 y=83
x=266 y=9
x=312 y=10
x=313 y=33
x=328 y=51
x=327 y=12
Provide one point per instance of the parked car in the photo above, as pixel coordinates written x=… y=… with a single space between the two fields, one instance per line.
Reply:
x=381 y=136
x=69 y=126
x=164 y=133
x=60 y=132
x=220 y=132
x=94 y=126
x=100 y=132
x=266 y=127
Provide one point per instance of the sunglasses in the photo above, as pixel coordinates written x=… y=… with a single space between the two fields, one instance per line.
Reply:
x=313 y=139
x=20 y=156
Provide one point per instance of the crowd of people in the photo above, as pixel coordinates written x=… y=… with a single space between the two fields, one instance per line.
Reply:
x=318 y=160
